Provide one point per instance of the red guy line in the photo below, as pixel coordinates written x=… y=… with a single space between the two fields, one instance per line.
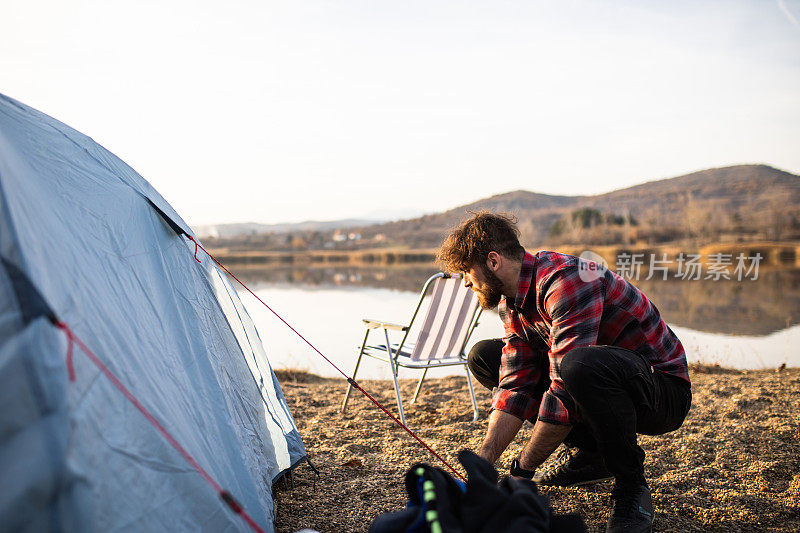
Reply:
x=348 y=378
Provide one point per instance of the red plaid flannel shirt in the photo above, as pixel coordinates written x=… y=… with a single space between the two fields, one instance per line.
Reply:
x=555 y=311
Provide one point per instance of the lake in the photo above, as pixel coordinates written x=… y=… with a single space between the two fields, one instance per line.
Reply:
x=749 y=324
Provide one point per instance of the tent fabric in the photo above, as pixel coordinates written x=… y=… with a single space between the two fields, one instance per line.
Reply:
x=84 y=237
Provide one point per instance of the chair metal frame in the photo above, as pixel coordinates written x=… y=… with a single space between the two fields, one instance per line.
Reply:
x=397 y=357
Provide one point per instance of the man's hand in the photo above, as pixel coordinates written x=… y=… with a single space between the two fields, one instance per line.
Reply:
x=503 y=427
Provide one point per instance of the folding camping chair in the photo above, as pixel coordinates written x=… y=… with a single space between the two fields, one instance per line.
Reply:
x=450 y=319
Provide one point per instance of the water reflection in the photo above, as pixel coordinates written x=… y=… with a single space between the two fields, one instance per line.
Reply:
x=761 y=307
x=407 y=278
x=769 y=304
x=747 y=324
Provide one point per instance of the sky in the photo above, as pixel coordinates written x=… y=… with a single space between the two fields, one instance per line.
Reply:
x=264 y=111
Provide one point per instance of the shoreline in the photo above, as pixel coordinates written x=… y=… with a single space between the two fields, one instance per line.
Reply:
x=303 y=374
x=774 y=254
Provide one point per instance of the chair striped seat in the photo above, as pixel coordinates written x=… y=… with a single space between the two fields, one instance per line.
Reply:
x=447 y=323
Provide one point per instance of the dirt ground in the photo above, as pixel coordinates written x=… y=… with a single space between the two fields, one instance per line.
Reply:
x=733 y=466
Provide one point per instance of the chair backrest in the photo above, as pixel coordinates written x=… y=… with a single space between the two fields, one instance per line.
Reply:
x=448 y=320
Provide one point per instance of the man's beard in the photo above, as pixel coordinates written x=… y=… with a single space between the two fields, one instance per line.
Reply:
x=490 y=294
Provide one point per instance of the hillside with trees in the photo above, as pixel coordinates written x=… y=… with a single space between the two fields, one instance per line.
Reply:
x=737 y=203
x=733 y=203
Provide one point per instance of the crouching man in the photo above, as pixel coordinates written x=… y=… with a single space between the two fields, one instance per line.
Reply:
x=586 y=358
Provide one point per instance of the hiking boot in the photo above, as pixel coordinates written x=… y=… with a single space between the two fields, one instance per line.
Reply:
x=574 y=466
x=632 y=511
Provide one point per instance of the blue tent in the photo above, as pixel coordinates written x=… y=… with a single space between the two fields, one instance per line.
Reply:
x=87 y=241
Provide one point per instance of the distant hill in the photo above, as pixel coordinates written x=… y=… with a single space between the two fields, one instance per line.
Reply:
x=748 y=190
x=737 y=200
x=742 y=202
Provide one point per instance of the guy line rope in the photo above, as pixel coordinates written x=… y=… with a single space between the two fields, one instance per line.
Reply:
x=350 y=380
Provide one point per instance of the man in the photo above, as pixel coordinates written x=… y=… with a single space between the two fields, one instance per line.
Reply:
x=586 y=358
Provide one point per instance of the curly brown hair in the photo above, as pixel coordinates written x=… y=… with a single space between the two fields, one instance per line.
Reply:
x=472 y=240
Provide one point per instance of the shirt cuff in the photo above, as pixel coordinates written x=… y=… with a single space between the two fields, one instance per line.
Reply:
x=520 y=404
x=553 y=411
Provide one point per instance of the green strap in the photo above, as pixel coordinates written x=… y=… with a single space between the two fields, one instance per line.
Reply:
x=429 y=495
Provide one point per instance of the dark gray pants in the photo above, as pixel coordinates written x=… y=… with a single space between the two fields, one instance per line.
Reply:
x=617 y=394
